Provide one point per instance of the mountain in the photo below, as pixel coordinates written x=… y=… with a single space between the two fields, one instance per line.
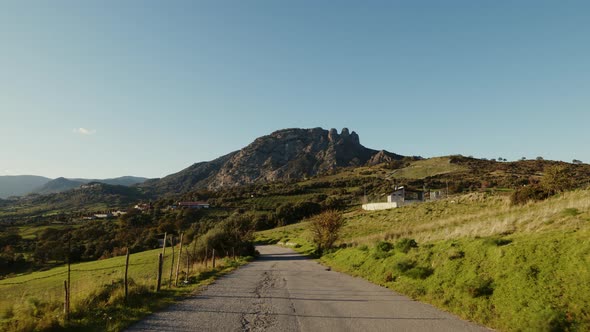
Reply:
x=62 y=184
x=18 y=185
x=58 y=185
x=120 y=181
x=87 y=196
x=288 y=154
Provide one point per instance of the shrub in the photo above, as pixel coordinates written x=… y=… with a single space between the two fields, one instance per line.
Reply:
x=557 y=179
x=404 y=245
x=480 y=287
x=404 y=265
x=325 y=228
x=419 y=272
x=456 y=254
x=382 y=250
x=389 y=277
x=526 y=194
x=384 y=246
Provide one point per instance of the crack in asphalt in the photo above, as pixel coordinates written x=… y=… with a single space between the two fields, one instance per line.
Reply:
x=263 y=316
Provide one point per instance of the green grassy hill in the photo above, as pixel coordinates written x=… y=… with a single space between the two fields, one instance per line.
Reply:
x=514 y=268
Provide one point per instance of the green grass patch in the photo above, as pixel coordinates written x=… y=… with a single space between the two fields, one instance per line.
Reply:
x=534 y=283
x=35 y=301
x=422 y=169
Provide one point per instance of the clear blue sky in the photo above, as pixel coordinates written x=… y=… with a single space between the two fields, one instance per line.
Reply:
x=109 y=88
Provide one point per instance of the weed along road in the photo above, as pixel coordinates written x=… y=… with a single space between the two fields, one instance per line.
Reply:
x=285 y=291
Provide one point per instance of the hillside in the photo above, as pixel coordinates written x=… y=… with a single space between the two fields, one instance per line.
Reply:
x=94 y=196
x=18 y=185
x=62 y=184
x=284 y=155
x=58 y=185
x=512 y=268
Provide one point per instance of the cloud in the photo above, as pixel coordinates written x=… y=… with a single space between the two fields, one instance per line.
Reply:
x=84 y=131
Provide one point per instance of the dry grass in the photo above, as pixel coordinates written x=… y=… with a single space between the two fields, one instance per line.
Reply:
x=473 y=215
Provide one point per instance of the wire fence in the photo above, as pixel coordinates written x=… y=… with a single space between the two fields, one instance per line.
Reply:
x=89 y=277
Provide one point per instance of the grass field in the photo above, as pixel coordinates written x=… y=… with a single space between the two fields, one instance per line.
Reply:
x=35 y=301
x=514 y=268
x=428 y=167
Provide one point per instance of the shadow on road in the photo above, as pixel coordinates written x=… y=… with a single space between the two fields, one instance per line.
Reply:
x=282 y=257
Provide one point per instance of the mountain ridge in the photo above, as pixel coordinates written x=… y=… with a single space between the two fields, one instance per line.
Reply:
x=284 y=155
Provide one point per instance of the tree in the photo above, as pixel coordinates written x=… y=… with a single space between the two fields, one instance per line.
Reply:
x=576 y=161
x=325 y=228
x=557 y=179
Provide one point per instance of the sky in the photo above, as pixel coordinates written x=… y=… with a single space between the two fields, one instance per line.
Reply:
x=102 y=89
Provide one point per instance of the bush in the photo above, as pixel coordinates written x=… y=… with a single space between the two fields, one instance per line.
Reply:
x=419 y=272
x=404 y=245
x=382 y=249
x=480 y=287
x=405 y=265
x=529 y=193
x=325 y=228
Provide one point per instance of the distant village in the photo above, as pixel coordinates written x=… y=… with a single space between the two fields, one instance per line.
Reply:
x=146 y=207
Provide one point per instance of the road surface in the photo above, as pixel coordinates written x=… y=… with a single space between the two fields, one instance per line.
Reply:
x=285 y=291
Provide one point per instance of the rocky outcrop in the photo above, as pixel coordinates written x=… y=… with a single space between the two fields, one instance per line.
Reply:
x=283 y=155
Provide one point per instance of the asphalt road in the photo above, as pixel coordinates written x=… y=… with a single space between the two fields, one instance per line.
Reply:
x=284 y=291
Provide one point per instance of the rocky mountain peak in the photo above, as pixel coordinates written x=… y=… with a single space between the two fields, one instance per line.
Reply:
x=286 y=154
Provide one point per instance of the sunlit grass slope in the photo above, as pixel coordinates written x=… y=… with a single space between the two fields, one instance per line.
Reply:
x=514 y=268
x=35 y=301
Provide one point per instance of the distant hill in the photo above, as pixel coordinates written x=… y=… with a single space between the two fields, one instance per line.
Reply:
x=288 y=154
x=18 y=185
x=62 y=184
x=89 y=196
x=58 y=185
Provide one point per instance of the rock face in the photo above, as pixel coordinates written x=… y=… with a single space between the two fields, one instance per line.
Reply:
x=283 y=155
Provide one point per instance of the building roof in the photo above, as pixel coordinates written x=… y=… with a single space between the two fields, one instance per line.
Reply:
x=192 y=203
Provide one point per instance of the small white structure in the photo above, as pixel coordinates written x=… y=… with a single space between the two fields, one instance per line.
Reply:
x=395 y=200
x=380 y=206
x=397 y=196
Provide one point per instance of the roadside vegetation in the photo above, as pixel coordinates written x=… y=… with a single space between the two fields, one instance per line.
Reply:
x=36 y=301
x=510 y=267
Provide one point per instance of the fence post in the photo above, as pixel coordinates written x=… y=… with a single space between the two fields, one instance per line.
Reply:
x=194 y=256
x=213 y=258
x=172 y=262
x=66 y=300
x=187 y=267
x=179 y=260
x=164 y=245
x=126 y=270
x=159 y=279
x=233 y=253
x=206 y=256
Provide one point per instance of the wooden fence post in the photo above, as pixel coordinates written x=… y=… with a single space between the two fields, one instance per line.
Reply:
x=159 y=279
x=172 y=262
x=126 y=270
x=66 y=300
x=187 y=267
x=233 y=253
x=213 y=258
x=194 y=257
x=206 y=256
x=164 y=245
x=179 y=261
